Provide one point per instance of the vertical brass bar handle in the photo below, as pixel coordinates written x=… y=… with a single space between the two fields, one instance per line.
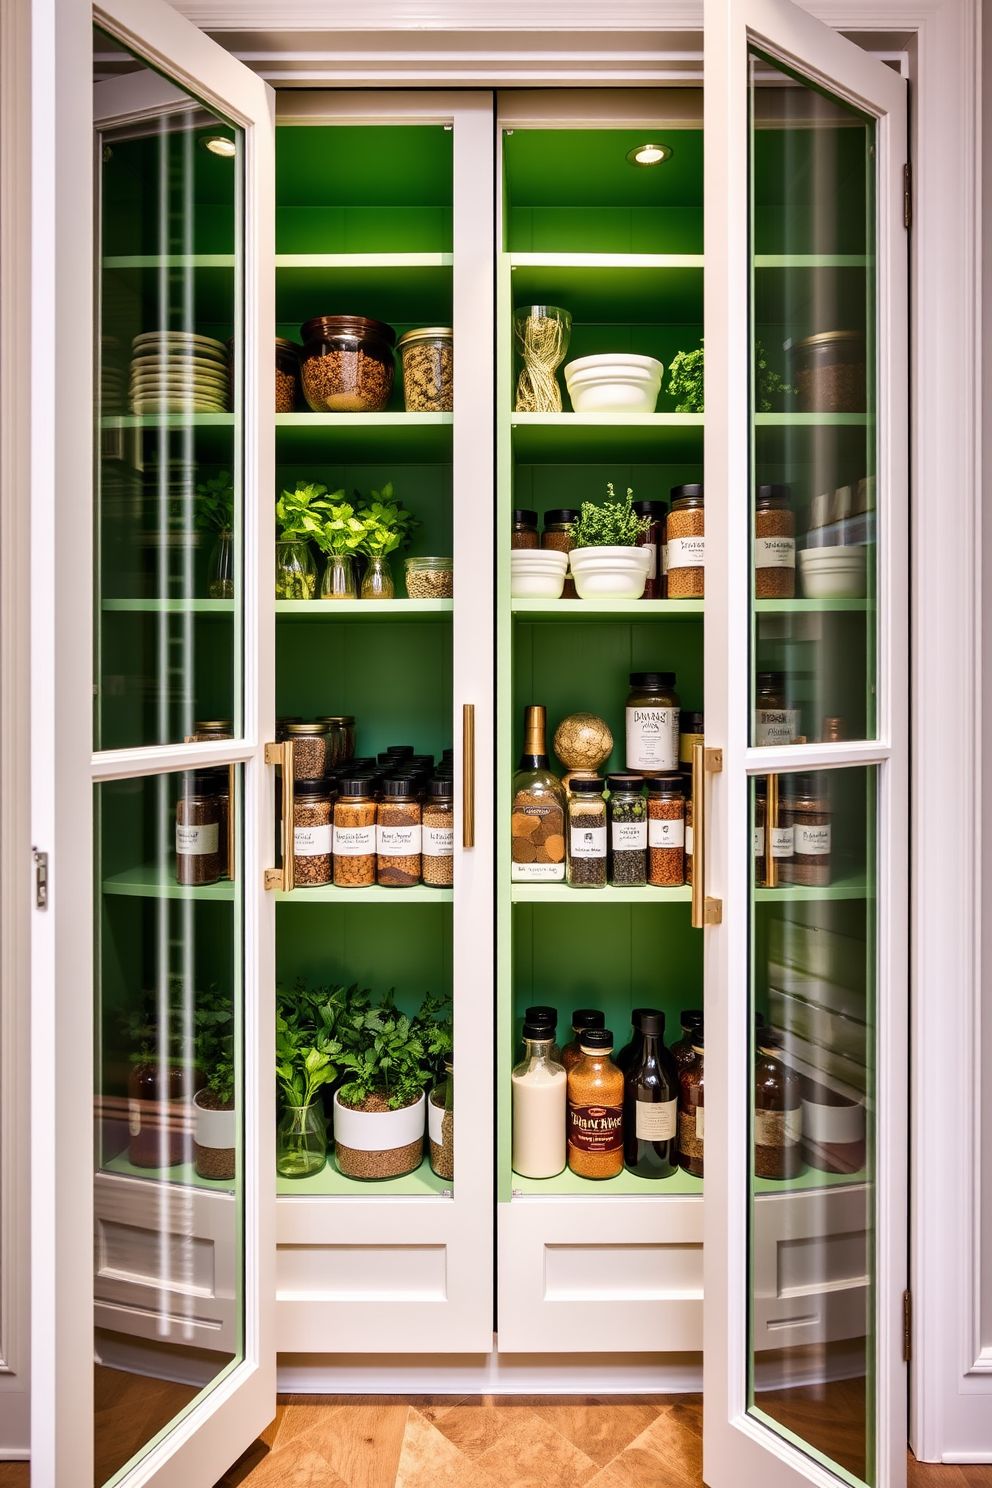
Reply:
x=468 y=775
x=698 y=836
x=284 y=877
x=771 y=814
x=231 y=807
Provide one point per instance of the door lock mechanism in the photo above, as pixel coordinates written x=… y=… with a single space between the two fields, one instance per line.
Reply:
x=40 y=879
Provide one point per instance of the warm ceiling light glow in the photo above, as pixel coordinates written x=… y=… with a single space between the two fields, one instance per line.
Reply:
x=219 y=144
x=649 y=154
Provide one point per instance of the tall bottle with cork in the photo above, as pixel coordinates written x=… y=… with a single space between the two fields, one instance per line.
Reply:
x=538 y=819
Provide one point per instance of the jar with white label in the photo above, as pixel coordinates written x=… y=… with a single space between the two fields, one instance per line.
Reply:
x=774 y=543
x=628 y=831
x=778 y=1111
x=586 y=834
x=198 y=825
x=313 y=833
x=437 y=838
x=806 y=814
x=686 y=543
x=653 y=711
x=398 y=833
x=354 y=834
x=666 y=832
x=692 y=1111
x=651 y=1104
x=774 y=722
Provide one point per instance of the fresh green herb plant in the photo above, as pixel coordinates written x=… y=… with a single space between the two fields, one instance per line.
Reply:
x=685 y=381
x=769 y=384
x=301 y=514
x=213 y=509
x=612 y=525
x=391 y=1058
x=305 y=1046
x=388 y=524
x=213 y=1041
x=341 y=532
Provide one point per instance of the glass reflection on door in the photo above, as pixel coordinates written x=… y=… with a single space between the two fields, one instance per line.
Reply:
x=168 y=1282
x=168 y=407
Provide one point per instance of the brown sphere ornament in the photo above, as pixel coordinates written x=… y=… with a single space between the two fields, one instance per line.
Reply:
x=582 y=742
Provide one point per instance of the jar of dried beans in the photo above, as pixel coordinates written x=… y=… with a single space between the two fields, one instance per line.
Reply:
x=347 y=364
x=397 y=834
x=586 y=835
x=653 y=538
x=438 y=835
x=309 y=741
x=198 y=824
x=778 y=1111
x=692 y=1113
x=666 y=831
x=686 y=543
x=806 y=811
x=628 y=839
x=428 y=369
x=557 y=534
x=313 y=833
x=774 y=543
x=523 y=529
x=354 y=835
x=287 y=375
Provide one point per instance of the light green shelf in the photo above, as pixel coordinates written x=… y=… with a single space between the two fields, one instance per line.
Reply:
x=813 y=606
x=149 y=881
x=562 y=893
x=377 y=894
x=183 y=1175
x=612 y=288
x=812 y=420
x=574 y=438
x=170 y=606
x=406 y=438
x=606 y=609
x=846 y=888
x=168 y=421
x=624 y=1185
x=363 y=260
x=423 y=1183
x=810 y=261
x=171 y=261
x=317 y=611
x=809 y=1179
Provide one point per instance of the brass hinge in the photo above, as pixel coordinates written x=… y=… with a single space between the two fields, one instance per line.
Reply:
x=40 y=879
x=713 y=761
x=907 y=1326
x=907 y=195
x=712 y=911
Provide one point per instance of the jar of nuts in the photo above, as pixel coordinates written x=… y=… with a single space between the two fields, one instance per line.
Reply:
x=397 y=833
x=354 y=835
x=429 y=578
x=428 y=375
x=313 y=833
x=347 y=364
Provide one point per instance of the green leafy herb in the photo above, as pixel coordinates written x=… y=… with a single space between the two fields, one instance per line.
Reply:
x=342 y=531
x=301 y=513
x=612 y=525
x=685 y=380
x=769 y=384
x=388 y=525
x=214 y=504
x=213 y=1040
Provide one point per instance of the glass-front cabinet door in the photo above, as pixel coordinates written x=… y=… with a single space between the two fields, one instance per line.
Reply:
x=804 y=793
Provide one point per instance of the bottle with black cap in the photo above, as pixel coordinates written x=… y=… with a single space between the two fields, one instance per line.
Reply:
x=523 y=531
x=595 y=1108
x=651 y=1104
x=398 y=833
x=581 y=1018
x=632 y=1048
x=778 y=1110
x=653 y=538
x=653 y=710
x=538 y=1087
x=548 y=1017
x=681 y=1050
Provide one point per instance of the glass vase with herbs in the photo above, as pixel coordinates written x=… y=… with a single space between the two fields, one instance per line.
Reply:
x=214 y=512
x=300 y=515
x=388 y=527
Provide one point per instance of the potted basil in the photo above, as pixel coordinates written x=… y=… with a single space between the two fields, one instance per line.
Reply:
x=215 y=1119
x=605 y=561
x=388 y=526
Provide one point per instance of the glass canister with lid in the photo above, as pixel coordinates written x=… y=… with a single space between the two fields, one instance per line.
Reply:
x=398 y=833
x=774 y=543
x=347 y=363
x=354 y=833
x=428 y=369
x=685 y=539
x=557 y=534
x=628 y=831
x=586 y=834
x=523 y=529
x=198 y=829
x=652 y=718
x=806 y=813
x=774 y=721
x=313 y=833
x=309 y=741
x=438 y=834
x=666 y=831
x=778 y=1110
x=829 y=372
x=287 y=375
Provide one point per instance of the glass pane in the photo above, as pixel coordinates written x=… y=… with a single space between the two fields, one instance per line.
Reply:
x=812 y=1247
x=168 y=1283
x=168 y=410
x=812 y=235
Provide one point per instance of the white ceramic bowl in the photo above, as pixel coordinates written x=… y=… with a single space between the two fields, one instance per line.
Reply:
x=833 y=573
x=537 y=573
x=615 y=382
x=610 y=573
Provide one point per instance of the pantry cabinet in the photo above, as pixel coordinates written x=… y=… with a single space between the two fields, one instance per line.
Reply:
x=222 y=213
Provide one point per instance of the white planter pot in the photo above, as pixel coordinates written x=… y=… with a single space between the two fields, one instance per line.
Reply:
x=537 y=573
x=378 y=1131
x=213 y=1128
x=614 y=382
x=610 y=573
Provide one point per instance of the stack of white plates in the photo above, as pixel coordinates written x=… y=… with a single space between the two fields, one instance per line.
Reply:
x=178 y=372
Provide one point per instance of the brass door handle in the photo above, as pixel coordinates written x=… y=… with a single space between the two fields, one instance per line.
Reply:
x=284 y=877
x=705 y=910
x=468 y=775
x=771 y=817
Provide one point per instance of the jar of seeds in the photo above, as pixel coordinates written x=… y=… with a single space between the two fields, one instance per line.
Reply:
x=586 y=834
x=806 y=811
x=198 y=823
x=523 y=529
x=340 y=738
x=428 y=369
x=398 y=833
x=774 y=543
x=686 y=543
x=347 y=364
x=438 y=835
x=557 y=535
x=354 y=835
x=287 y=375
x=313 y=833
x=441 y=1123
x=628 y=838
x=666 y=831
x=429 y=578
x=309 y=741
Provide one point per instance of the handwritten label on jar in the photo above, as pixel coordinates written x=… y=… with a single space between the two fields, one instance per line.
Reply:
x=545 y=872
x=656 y=1121
x=630 y=836
x=588 y=842
x=662 y=833
x=775 y=725
x=686 y=552
x=438 y=842
x=782 y=842
x=354 y=842
x=653 y=738
x=774 y=552
x=759 y=842
x=397 y=841
x=778 y=1128
x=313 y=842
x=196 y=841
x=595 y=1128
x=811 y=841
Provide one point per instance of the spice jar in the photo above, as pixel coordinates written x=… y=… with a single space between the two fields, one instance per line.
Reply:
x=689 y=1020
x=758 y=830
x=692 y=1114
x=441 y=1123
x=828 y=371
x=628 y=831
x=652 y=719
x=586 y=835
x=774 y=543
x=340 y=738
x=198 y=822
x=347 y=364
x=806 y=812
x=686 y=543
x=778 y=1110
x=313 y=833
x=523 y=529
x=595 y=1108
x=438 y=835
x=582 y=1018
x=690 y=732
x=688 y=833
x=653 y=538
x=428 y=369
x=557 y=534
x=211 y=728
x=287 y=375
x=429 y=578
x=666 y=831
x=774 y=722
x=309 y=741
x=397 y=834
x=354 y=835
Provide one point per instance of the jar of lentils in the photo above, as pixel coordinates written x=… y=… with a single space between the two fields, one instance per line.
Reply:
x=287 y=375
x=523 y=529
x=628 y=831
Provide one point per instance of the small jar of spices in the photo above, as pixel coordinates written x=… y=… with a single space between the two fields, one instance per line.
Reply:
x=586 y=834
x=774 y=543
x=653 y=538
x=398 y=833
x=313 y=833
x=686 y=542
x=557 y=535
x=523 y=529
x=666 y=831
x=354 y=834
x=628 y=837
x=438 y=834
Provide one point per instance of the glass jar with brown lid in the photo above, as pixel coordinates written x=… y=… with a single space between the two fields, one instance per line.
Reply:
x=557 y=534
x=309 y=741
x=778 y=1111
x=686 y=542
x=523 y=529
x=774 y=543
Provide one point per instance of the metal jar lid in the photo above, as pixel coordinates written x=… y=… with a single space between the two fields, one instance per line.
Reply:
x=426 y=333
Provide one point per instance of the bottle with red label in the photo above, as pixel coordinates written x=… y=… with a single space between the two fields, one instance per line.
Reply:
x=595 y=1108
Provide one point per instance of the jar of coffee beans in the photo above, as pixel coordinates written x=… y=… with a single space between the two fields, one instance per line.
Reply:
x=398 y=833
x=347 y=364
x=586 y=834
x=628 y=836
x=354 y=834
x=313 y=833
x=198 y=829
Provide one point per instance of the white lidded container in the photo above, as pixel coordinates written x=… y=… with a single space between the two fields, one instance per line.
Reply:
x=833 y=573
x=610 y=572
x=537 y=573
x=614 y=382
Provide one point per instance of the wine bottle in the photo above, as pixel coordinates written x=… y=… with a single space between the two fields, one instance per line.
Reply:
x=650 y=1104
x=538 y=821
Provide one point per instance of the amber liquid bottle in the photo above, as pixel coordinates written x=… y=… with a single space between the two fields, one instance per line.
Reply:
x=651 y=1104
x=582 y=1018
x=595 y=1109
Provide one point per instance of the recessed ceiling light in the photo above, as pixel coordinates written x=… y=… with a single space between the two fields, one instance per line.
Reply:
x=219 y=144
x=649 y=155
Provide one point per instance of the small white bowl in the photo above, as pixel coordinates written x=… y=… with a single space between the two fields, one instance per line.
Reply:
x=610 y=573
x=614 y=382
x=833 y=573
x=537 y=573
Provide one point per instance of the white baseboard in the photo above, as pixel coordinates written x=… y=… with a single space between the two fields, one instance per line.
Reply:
x=14 y=1454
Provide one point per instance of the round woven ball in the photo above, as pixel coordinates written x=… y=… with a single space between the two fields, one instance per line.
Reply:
x=583 y=741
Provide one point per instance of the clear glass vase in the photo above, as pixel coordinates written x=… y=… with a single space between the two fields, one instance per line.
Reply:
x=377 y=582
x=301 y=1141
x=296 y=572
x=220 y=579
x=339 y=578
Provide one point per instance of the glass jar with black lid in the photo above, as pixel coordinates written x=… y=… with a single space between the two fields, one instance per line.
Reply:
x=523 y=529
x=557 y=534
x=685 y=540
x=628 y=831
x=652 y=716
x=585 y=840
x=653 y=538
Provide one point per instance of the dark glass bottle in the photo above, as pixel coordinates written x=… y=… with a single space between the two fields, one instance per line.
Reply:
x=650 y=1104
x=778 y=1110
x=632 y=1047
x=692 y=1108
x=690 y=1019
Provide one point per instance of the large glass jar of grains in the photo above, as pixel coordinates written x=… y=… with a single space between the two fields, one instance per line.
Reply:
x=586 y=838
x=437 y=839
x=774 y=543
x=538 y=815
x=628 y=837
x=428 y=369
x=198 y=825
x=557 y=534
x=778 y=1111
x=653 y=538
x=666 y=831
x=653 y=711
x=692 y=1114
x=686 y=542
x=681 y=1051
x=595 y=1108
x=309 y=741
x=398 y=833
x=441 y=1123
x=354 y=834
x=774 y=722
x=313 y=833
x=523 y=529
x=806 y=811
x=340 y=738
